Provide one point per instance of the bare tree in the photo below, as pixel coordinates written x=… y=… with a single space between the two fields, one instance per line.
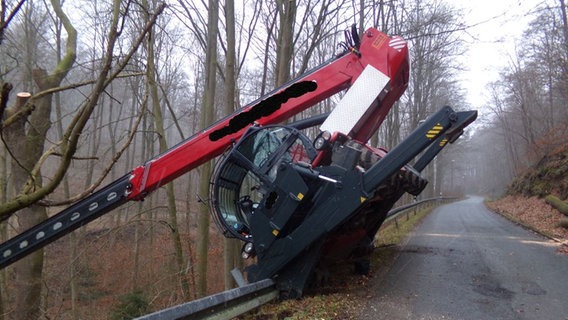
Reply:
x=163 y=146
x=25 y=130
x=31 y=193
x=26 y=145
x=230 y=254
x=529 y=98
x=207 y=115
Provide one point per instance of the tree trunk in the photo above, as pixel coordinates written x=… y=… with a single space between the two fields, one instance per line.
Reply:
x=73 y=256
x=284 y=46
x=231 y=245
x=564 y=22
x=26 y=143
x=6 y=88
x=26 y=148
x=29 y=270
x=170 y=194
x=264 y=80
x=206 y=119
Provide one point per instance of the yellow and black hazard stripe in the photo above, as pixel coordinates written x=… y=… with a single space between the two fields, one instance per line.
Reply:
x=434 y=132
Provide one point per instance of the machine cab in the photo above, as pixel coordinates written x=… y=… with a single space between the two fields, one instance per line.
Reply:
x=245 y=173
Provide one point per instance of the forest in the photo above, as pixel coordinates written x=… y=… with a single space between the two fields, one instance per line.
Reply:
x=92 y=89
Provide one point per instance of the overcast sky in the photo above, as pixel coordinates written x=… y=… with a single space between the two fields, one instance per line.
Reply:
x=500 y=24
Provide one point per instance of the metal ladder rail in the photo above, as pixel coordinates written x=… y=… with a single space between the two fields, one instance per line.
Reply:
x=64 y=222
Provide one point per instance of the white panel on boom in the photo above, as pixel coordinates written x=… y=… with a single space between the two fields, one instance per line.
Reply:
x=356 y=101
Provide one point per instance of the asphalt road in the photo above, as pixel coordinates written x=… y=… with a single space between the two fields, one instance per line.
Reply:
x=465 y=262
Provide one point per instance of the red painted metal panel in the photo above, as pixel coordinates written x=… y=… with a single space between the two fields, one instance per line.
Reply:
x=376 y=49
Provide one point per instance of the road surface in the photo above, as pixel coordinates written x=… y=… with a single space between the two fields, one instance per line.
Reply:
x=465 y=262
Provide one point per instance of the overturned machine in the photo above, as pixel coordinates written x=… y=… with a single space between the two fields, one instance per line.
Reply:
x=295 y=202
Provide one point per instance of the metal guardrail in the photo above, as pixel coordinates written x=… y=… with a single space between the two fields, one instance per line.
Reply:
x=224 y=305
x=396 y=211
x=232 y=303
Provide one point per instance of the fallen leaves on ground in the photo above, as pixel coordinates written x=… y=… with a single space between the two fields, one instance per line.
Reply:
x=534 y=213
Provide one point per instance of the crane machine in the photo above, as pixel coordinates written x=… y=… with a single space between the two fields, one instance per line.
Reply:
x=293 y=201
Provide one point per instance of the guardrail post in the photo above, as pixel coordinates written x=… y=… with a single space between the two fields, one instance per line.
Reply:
x=238 y=276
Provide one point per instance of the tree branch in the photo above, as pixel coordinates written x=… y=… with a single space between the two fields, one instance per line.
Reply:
x=6 y=88
x=5 y=22
x=70 y=140
x=28 y=108
x=105 y=172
